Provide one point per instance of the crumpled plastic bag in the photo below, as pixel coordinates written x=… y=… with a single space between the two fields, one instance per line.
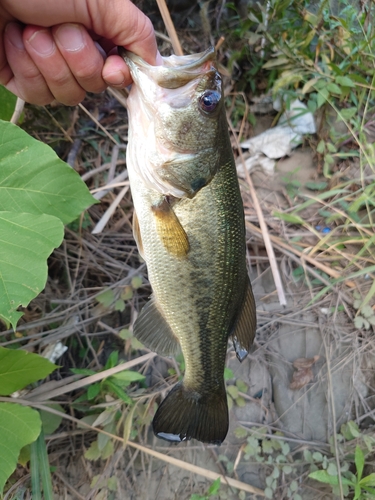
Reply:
x=279 y=141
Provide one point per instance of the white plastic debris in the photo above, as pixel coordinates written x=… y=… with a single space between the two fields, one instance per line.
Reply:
x=298 y=117
x=257 y=160
x=275 y=142
x=54 y=351
x=280 y=140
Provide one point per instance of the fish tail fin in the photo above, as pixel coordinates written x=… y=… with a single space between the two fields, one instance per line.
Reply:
x=186 y=414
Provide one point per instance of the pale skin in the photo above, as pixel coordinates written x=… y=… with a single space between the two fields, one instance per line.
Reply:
x=60 y=49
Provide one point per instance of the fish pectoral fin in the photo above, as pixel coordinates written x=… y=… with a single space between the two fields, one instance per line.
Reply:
x=245 y=326
x=152 y=329
x=186 y=414
x=137 y=234
x=170 y=230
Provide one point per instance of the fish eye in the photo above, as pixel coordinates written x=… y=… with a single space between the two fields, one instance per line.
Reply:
x=209 y=100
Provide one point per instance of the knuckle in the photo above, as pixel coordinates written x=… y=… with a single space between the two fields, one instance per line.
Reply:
x=72 y=99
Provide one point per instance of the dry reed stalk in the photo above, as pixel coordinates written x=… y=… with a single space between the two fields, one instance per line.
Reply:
x=170 y=27
x=263 y=227
x=91 y=379
x=20 y=104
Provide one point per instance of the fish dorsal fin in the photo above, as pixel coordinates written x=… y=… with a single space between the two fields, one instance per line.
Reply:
x=245 y=326
x=137 y=234
x=170 y=230
x=152 y=329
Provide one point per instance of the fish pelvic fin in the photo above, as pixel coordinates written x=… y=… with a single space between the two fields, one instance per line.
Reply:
x=245 y=326
x=152 y=329
x=170 y=230
x=186 y=414
x=137 y=234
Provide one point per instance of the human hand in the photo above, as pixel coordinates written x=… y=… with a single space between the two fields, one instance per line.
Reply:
x=61 y=49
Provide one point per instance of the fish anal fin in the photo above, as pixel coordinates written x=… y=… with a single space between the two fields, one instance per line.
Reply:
x=137 y=234
x=170 y=230
x=153 y=331
x=245 y=326
x=186 y=414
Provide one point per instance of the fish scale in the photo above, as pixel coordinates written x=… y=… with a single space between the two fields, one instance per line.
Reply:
x=194 y=242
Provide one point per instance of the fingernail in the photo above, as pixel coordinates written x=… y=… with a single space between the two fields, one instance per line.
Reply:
x=70 y=37
x=13 y=32
x=115 y=79
x=41 y=41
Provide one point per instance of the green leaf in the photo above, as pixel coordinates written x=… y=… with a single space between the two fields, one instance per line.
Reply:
x=293 y=219
x=26 y=241
x=119 y=305
x=93 y=453
x=7 y=103
x=38 y=191
x=214 y=488
x=240 y=433
x=368 y=480
x=316 y=185
x=348 y=113
x=116 y=389
x=20 y=368
x=19 y=426
x=34 y=180
x=359 y=460
x=128 y=376
x=367 y=311
x=322 y=97
x=93 y=391
x=333 y=88
x=321 y=146
x=278 y=61
x=112 y=360
x=359 y=322
x=345 y=81
x=309 y=85
x=136 y=282
x=106 y=298
x=324 y=477
x=332 y=469
x=50 y=421
x=242 y=387
x=232 y=391
x=82 y=371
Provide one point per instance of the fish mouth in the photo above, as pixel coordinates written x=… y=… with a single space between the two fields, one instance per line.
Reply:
x=176 y=71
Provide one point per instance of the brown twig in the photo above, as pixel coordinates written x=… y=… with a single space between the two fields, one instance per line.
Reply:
x=170 y=27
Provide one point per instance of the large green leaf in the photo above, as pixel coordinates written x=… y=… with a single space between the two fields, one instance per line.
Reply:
x=20 y=368
x=7 y=103
x=38 y=192
x=34 y=180
x=26 y=241
x=19 y=426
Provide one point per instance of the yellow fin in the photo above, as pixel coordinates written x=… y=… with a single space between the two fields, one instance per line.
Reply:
x=169 y=229
x=246 y=324
x=137 y=234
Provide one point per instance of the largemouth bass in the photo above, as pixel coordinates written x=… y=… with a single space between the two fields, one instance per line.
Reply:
x=189 y=228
